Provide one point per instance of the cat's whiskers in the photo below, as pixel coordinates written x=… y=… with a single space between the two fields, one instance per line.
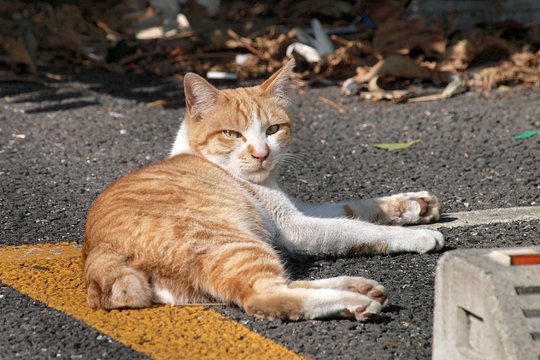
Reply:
x=287 y=159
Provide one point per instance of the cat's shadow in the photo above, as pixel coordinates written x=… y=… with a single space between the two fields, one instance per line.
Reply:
x=298 y=266
x=447 y=219
x=384 y=317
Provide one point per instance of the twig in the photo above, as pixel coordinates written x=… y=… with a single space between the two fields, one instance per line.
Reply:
x=157 y=103
x=245 y=43
x=162 y=103
x=111 y=34
x=335 y=105
x=453 y=88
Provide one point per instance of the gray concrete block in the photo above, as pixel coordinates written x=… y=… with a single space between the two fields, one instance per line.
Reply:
x=487 y=306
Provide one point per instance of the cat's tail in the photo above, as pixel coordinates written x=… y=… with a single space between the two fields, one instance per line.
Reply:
x=112 y=283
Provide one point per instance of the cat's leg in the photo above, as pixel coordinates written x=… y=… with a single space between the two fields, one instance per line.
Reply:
x=249 y=273
x=370 y=288
x=401 y=209
x=340 y=236
x=275 y=299
x=112 y=283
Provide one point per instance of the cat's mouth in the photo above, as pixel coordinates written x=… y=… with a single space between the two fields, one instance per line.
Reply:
x=266 y=165
x=256 y=175
x=259 y=169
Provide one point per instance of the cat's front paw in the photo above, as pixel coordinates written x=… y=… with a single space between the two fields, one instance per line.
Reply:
x=428 y=241
x=416 y=240
x=411 y=208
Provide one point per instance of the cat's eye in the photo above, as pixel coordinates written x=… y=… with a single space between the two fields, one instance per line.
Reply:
x=232 y=133
x=272 y=129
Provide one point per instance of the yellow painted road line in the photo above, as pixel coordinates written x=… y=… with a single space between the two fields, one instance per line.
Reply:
x=51 y=274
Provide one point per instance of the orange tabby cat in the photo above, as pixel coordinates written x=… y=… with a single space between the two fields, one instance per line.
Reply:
x=201 y=226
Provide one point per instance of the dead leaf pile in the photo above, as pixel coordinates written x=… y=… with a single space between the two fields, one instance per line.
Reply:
x=380 y=56
x=520 y=68
x=397 y=36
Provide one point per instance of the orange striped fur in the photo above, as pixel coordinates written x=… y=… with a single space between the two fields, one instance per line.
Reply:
x=184 y=224
x=184 y=230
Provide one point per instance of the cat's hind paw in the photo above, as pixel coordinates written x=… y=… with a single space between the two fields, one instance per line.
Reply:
x=362 y=312
x=355 y=284
x=347 y=305
x=370 y=288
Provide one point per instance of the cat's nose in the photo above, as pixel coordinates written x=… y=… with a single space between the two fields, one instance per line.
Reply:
x=261 y=156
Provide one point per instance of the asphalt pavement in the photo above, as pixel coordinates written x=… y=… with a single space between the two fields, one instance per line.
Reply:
x=62 y=142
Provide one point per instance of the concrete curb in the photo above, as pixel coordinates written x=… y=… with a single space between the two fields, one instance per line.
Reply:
x=490 y=216
x=487 y=307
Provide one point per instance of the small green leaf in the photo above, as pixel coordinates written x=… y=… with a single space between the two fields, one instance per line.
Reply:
x=396 y=146
x=526 y=134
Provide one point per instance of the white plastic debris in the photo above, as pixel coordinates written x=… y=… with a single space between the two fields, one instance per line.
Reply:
x=322 y=42
x=350 y=87
x=182 y=22
x=221 y=75
x=309 y=53
x=150 y=33
x=241 y=59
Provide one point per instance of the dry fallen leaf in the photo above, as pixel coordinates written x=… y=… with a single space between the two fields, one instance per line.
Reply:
x=521 y=68
x=396 y=146
x=335 y=105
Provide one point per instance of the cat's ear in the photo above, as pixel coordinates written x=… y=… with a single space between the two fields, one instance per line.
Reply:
x=200 y=94
x=277 y=86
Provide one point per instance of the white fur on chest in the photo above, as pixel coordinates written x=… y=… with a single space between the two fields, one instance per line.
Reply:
x=181 y=144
